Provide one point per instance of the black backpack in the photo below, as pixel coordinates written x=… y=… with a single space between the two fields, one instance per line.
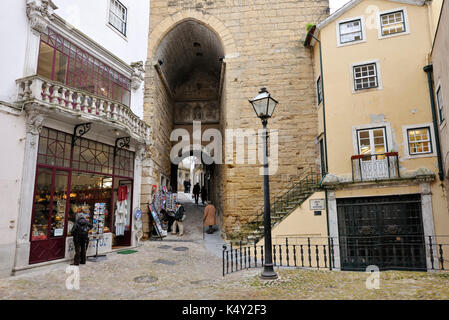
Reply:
x=83 y=231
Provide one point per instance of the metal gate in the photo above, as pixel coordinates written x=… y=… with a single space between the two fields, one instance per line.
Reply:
x=383 y=231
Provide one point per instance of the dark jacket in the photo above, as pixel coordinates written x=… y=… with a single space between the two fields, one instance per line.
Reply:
x=196 y=189
x=179 y=213
x=79 y=230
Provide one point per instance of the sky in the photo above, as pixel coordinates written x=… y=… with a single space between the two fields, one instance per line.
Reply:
x=336 y=4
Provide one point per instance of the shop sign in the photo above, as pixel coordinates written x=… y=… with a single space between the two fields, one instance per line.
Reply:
x=317 y=204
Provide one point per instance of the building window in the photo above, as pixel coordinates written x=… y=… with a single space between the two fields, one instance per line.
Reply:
x=392 y=23
x=440 y=104
x=319 y=90
x=62 y=61
x=365 y=76
x=350 y=31
x=118 y=15
x=419 y=141
x=372 y=141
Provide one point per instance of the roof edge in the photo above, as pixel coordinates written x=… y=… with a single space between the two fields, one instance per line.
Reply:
x=351 y=4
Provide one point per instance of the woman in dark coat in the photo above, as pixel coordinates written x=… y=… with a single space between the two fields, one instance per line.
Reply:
x=80 y=233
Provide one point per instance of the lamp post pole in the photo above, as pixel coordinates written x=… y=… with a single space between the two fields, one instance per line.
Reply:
x=268 y=272
x=264 y=106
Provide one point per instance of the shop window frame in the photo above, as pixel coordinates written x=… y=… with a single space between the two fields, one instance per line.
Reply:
x=70 y=171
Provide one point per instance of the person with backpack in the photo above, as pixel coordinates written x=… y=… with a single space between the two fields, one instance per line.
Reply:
x=80 y=233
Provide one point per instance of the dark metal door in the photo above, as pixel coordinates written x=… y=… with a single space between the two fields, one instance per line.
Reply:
x=383 y=231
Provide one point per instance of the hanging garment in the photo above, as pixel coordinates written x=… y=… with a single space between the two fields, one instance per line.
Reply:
x=121 y=217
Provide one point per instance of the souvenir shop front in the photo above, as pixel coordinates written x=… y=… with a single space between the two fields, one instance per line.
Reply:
x=80 y=176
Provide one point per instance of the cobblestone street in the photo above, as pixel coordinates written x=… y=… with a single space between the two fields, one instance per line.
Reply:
x=190 y=268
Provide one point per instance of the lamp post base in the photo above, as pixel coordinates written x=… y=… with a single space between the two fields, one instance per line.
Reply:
x=268 y=273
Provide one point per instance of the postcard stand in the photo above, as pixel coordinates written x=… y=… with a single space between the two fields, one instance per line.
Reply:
x=98 y=229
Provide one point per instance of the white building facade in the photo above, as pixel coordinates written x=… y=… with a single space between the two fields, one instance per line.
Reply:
x=71 y=107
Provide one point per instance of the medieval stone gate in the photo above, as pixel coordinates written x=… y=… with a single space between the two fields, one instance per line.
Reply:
x=206 y=59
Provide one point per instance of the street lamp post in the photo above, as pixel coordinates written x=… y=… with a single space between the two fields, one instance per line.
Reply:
x=264 y=106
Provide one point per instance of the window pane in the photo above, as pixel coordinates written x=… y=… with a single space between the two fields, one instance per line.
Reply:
x=59 y=204
x=60 y=67
x=42 y=200
x=392 y=23
x=45 y=64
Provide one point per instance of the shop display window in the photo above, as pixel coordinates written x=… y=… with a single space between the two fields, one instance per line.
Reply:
x=86 y=191
x=42 y=207
x=59 y=204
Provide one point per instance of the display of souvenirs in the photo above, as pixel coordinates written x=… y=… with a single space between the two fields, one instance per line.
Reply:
x=157 y=221
x=98 y=220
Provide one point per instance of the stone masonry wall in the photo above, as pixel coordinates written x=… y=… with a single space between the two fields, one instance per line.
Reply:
x=263 y=43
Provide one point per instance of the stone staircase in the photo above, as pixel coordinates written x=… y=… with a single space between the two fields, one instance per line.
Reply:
x=281 y=206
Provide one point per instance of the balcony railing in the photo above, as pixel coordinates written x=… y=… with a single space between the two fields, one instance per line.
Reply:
x=53 y=95
x=375 y=167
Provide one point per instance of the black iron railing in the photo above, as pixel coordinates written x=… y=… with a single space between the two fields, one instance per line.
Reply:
x=344 y=253
x=368 y=167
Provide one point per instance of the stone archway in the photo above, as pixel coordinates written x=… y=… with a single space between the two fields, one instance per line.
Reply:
x=261 y=47
x=184 y=83
x=209 y=21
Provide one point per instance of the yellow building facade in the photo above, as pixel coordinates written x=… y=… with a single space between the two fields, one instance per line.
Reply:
x=386 y=205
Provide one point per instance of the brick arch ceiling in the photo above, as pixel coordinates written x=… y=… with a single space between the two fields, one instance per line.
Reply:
x=187 y=48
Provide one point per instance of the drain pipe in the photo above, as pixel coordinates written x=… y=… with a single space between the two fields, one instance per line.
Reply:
x=310 y=35
x=429 y=69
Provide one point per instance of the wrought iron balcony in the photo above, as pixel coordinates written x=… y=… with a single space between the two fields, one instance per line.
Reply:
x=375 y=167
x=52 y=96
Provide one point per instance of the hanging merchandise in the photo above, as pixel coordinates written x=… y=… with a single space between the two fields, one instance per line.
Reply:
x=121 y=211
x=157 y=221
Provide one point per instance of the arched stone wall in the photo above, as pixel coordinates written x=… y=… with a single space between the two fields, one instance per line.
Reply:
x=211 y=22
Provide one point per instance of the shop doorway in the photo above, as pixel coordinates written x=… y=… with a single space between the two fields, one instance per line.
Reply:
x=125 y=239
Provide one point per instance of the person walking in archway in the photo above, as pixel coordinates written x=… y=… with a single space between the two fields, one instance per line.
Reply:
x=203 y=194
x=196 y=192
x=210 y=217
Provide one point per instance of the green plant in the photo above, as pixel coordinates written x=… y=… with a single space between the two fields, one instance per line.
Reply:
x=309 y=25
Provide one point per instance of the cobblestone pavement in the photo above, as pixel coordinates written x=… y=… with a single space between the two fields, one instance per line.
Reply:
x=183 y=268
